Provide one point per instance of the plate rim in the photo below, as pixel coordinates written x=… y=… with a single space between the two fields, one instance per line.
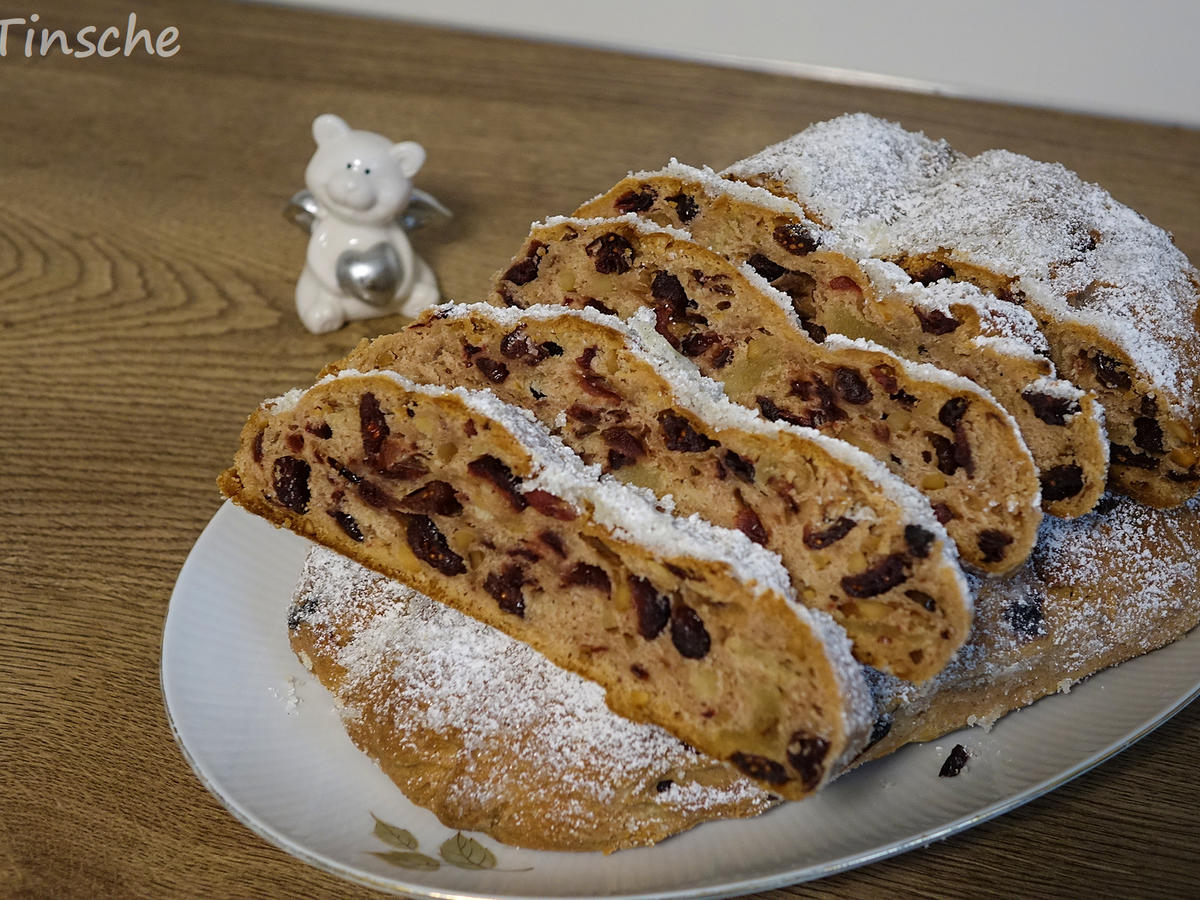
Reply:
x=726 y=889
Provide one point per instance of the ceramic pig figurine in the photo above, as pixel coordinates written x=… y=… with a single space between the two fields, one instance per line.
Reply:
x=360 y=263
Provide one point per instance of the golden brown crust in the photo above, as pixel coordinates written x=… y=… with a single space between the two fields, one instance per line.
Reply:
x=488 y=734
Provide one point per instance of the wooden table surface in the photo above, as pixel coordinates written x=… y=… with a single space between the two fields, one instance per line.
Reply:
x=146 y=280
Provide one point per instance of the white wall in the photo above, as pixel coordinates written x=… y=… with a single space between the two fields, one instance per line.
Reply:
x=1125 y=58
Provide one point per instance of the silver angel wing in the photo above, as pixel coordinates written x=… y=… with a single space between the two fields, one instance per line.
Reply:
x=302 y=210
x=423 y=209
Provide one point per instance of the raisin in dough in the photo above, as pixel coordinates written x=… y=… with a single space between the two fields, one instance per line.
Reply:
x=939 y=432
x=996 y=344
x=1115 y=298
x=1097 y=591
x=856 y=541
x=489 y=734
x=470 y=501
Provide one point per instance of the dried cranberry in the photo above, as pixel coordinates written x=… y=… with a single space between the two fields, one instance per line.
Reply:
x=806 y=752
x=636 y=201
x=749 y=524
x=1111 y=373
x=923 y=599
x=934 y=321
x=688 y=633
x=954 y=762
x=294 y=441
x=586 y=414
x=881 y=577
x=931 y=271
x=525 y=270
x=760 y=768
x=429 y=544
x=517 y=345
x=291 y=483
x=399 y=460
x=952 y=412
x=918 y=539
x=1051 y=410
x=851 y=386
x=256 y=446
x=625 y=446
x=1120 y=455
x=652 y=608
x=667 y=288
x=698 y=343
x=679 y=435
x=321 y=430
x=794 y=238
x=773 y=413
x=586 y=575
x=943 y=513
x=372 y=423
x=348 y=524
x=947 y=462
x=1024 y=617
x=993 y=544
x=1061 y=482
x=685 y=206
x=739 y=466
x=611 y=254
x=549 y=505
x=819 y=540
x=434 y=499
x=844 y=283
x=885 y=377
x=505 y=588
x=1149 y=434
x=496 y=372
x=554 y=542
x=722 y=358
x=592 y=382
x=765 y=267
x=501 y=477
x=593 y=303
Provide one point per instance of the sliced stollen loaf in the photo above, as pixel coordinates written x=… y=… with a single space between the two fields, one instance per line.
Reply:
x=489 y=734
x=833 y=289
x=1097 y=591
x=856 y=541
x=939 y=432
x=1115 y=298
x=470 y=501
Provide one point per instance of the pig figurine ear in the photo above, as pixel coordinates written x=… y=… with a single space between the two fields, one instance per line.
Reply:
x=410 y=155
x=327 y=127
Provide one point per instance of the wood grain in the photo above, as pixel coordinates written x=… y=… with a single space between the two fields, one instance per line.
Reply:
x=146 y=281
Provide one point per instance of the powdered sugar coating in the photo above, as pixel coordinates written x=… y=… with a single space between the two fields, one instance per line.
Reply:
x=643 y=226
x=1115 y=579
x=1066 y=244
x=1070 y=247
x=996 y=318
x=430 y=667
x=852 y=173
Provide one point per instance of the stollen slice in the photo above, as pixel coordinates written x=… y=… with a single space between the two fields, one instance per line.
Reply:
x=470 y=501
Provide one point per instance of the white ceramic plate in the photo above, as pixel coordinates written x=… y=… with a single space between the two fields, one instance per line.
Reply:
x=263 y=736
